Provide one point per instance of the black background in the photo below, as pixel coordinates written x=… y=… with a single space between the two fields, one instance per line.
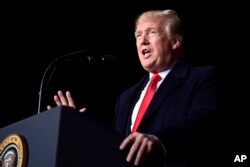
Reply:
x=34 y=34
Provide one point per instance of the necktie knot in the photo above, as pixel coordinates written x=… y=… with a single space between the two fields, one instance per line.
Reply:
x=155 y=79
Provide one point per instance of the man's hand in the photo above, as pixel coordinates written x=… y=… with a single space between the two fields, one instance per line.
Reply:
x=142 y=146
x=65 y=100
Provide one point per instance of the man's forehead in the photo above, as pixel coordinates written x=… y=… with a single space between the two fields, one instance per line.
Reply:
x=147 y=25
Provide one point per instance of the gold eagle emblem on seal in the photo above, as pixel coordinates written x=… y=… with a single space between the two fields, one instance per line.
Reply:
x=13 y=151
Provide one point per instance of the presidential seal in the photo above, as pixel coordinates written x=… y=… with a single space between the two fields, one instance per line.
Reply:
x=13 y=151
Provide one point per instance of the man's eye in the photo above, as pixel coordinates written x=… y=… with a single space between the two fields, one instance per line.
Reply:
x=153 y=32
x=137 y=35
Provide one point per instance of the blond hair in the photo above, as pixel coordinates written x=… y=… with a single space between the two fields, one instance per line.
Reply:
x=169 y=18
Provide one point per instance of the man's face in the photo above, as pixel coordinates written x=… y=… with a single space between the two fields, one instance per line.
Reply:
x=153 y=46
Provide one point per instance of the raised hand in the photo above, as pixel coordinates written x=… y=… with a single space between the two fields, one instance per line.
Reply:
x=65 y=100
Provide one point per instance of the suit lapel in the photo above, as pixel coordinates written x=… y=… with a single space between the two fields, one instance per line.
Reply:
x=135 y=95
x=174 y=80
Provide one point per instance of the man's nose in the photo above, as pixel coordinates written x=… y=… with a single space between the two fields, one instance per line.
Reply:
x=144 y=40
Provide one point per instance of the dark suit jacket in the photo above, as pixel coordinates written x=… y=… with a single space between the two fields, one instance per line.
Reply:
x=184 y=114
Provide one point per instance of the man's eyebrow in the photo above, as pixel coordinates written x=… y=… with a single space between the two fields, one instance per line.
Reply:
x=147 y=29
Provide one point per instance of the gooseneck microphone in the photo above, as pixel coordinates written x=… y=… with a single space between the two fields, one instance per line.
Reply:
x=79 y=56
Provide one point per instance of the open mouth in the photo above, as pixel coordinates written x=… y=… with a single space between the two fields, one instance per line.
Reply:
x=146 y=53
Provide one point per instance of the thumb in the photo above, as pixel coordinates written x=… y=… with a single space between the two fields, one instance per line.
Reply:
x=83 y=110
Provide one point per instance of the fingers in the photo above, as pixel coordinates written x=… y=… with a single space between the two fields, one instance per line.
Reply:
x=60 y=99
x=70 y=100
x=49 y=107
x=142 y=145
x=64 y=100
x=127 y=141
x=134 y=149
x=135 y=140
x=142 y=153
x=83 y=110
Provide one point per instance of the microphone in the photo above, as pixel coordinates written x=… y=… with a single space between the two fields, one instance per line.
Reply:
x=79 y=56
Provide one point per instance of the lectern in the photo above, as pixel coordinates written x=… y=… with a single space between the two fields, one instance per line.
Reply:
x=61 y=137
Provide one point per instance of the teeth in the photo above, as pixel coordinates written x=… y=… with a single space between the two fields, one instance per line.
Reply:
x=144 y=51
x=146 y=55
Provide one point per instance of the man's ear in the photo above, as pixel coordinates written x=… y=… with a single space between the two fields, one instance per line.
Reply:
x=176 y=43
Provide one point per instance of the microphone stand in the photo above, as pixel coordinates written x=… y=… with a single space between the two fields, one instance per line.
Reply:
x=54 y=64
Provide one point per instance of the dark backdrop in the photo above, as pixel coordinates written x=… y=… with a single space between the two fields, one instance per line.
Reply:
x=34 y=34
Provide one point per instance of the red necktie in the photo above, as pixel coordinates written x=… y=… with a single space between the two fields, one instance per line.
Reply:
x=146 y=100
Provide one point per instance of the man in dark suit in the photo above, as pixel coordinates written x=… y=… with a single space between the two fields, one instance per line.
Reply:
x=181 y=120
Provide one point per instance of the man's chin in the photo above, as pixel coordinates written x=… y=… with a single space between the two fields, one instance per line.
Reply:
x=149 y=68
